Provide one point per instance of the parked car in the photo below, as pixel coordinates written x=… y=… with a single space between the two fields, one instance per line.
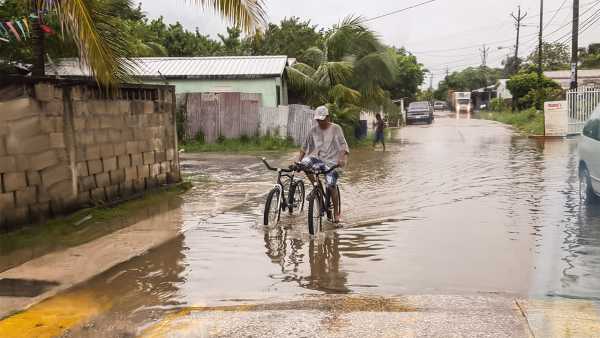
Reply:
x=589 y=159
x=440 y=106
x=419 y=111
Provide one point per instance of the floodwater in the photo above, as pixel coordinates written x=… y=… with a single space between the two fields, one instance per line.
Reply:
x=463 y=206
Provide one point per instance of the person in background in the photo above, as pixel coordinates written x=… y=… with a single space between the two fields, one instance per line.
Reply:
x=379 y=131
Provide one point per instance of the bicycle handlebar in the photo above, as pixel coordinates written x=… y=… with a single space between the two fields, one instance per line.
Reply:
x=299 y=167
x=264 y=160
x=302 y=167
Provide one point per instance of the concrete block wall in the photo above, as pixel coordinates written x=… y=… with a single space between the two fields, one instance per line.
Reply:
x=66 y=145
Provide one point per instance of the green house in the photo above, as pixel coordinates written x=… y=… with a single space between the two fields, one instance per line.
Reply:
x=264 y=75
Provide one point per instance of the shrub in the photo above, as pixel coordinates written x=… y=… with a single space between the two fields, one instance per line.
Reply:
x=498 y=104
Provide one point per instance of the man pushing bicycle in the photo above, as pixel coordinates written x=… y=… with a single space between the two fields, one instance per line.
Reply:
x=325 y=146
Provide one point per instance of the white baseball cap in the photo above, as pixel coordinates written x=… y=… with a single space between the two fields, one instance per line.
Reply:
x=321 y=113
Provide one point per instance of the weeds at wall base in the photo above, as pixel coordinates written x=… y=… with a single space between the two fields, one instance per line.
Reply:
x=81 y=226
x=529 y=121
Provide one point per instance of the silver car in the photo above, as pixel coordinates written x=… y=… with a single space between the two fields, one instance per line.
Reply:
x=589 y=159
x=419 y=112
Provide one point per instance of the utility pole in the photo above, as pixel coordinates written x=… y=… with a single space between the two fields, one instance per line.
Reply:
x=540 y=56
x=575 y=45
x=431 y=81
x=484 y=53
x=518 y=20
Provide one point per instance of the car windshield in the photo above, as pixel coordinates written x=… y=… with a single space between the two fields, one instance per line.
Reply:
x=463 y=101
x=418 y=106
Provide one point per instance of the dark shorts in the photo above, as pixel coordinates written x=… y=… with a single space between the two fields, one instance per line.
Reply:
x=316 y=164
x=379 y=136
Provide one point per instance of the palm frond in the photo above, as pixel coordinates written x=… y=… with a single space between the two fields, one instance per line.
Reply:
x=313 y=56
x=343 y=95
x=331 y=73
x=246 y=14
x=379 y=68
x=304 y=68
x=101 y=47
x=351 y=37
x=302 y=82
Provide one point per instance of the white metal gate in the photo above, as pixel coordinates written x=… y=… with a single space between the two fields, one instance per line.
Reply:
x=581 y=102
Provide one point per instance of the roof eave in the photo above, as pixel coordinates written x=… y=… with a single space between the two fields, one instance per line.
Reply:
x=208 y=77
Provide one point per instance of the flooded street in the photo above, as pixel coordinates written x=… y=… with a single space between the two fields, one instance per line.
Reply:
x=461 y=207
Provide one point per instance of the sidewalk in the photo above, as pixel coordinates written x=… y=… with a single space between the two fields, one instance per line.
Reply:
x=78 y=264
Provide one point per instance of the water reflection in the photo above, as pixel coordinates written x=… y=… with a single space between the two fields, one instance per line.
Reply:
x=323 y=257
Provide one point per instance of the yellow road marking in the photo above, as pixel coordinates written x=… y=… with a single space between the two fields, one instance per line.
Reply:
x=54 y=316
x=564 y=318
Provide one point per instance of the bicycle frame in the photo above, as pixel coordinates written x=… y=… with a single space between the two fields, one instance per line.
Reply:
x=289 y=173
x=317 y=184
x=283 y=198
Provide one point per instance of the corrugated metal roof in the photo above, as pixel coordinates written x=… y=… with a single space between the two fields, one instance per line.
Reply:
x=190 y=67
x=566 y=74
x=585 y=77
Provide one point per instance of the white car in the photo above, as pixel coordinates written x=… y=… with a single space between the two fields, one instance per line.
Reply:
x=589 y=159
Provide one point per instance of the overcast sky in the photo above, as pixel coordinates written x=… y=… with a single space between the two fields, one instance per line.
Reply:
x=428 y=31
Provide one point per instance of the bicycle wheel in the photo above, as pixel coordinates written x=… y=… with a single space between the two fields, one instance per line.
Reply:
x=315 y=216
x=297 y=195
x=273 y=207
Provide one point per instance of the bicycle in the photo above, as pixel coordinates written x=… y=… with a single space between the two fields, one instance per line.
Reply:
x=277 y=200
x=319 y=199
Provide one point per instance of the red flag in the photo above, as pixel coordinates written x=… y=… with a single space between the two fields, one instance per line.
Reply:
x=47 y=29
x=13 y=30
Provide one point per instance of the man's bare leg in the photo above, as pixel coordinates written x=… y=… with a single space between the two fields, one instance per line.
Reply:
x=335 y=200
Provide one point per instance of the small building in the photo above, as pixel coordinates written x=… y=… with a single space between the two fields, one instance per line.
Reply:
x=502 y=91
x=585 y=77
x=264 y=75
x=481 y=97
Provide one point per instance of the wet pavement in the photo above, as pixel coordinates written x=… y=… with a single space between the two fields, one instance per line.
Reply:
x=457 y=210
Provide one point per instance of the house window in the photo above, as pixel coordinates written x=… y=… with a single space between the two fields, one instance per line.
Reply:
x=278 y=95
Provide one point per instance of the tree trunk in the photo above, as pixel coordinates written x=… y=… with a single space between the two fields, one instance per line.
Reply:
x=37 y=39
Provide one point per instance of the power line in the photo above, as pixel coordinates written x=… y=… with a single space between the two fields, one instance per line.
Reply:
x=399 y=10
x=555 y=14
x=590 y=4
x=591 y=19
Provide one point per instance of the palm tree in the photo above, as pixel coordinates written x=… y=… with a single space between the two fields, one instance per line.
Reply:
x=349 y=70
x=101 y=44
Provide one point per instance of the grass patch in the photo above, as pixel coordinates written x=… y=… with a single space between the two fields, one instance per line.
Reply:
x=528 y=121
x=243 y=144
x=82 y=226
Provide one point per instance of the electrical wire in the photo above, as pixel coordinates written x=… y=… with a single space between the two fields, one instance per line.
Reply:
x=555 y=14
x=399 y=10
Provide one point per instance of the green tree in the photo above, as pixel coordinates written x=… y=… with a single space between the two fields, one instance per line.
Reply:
x=512 y=66
x=524 y=87
x=425 y=95
x=180 y=42
x=352 y=68
x=590 y=56
x=467 y=80
x=409 y=75
x=349 y=73
x=555 y=56
x=93 y=27
x=291 y=37
x=232 y=45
